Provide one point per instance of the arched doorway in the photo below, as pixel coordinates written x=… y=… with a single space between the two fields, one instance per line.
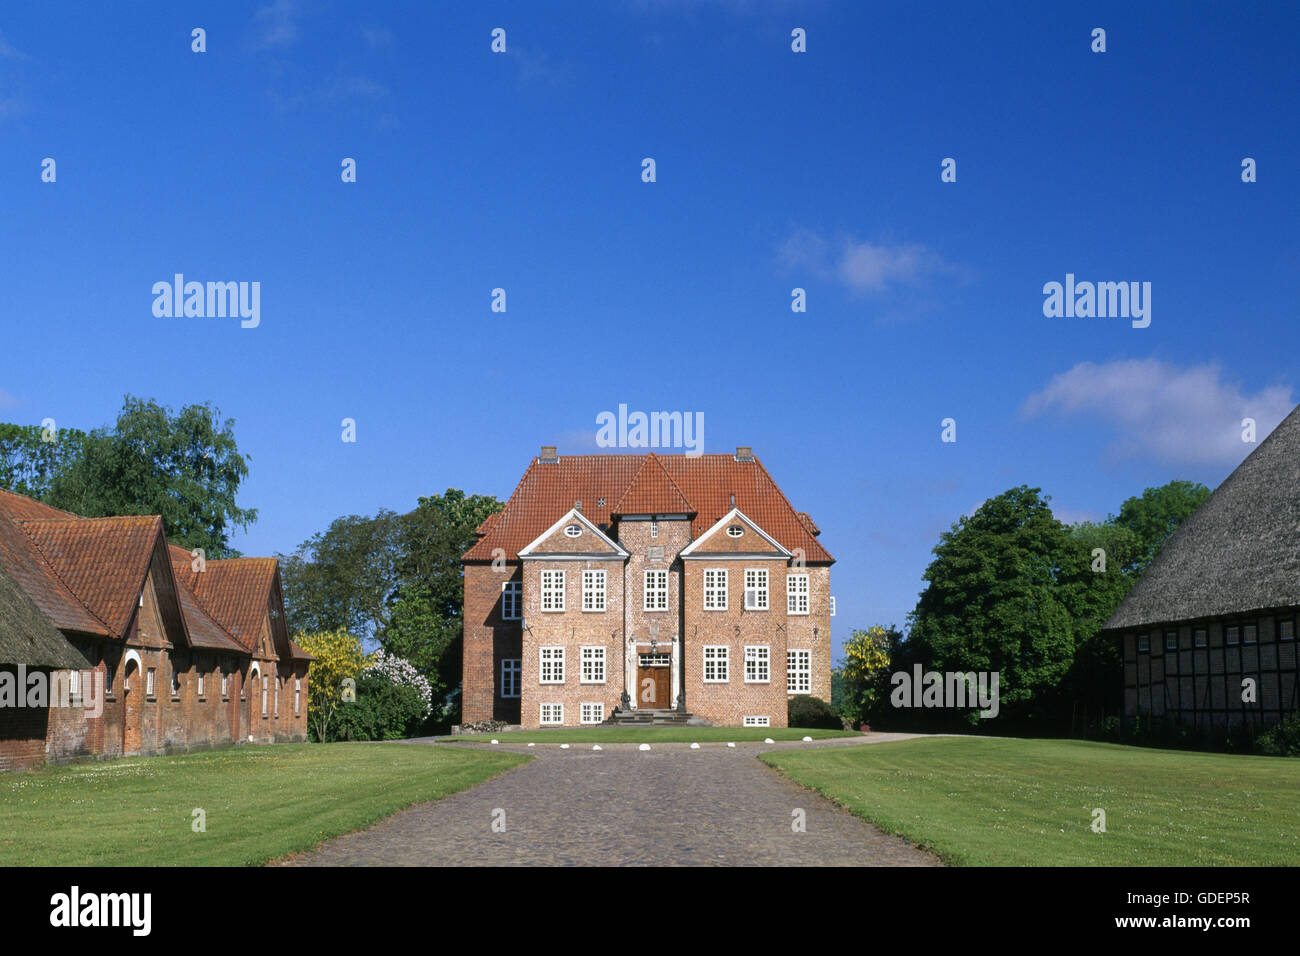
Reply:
x=132 y=701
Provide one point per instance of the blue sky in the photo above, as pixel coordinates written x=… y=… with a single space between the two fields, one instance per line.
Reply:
x=775 y=170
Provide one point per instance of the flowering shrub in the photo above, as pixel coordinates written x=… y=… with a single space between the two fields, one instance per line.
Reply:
x=401 y=673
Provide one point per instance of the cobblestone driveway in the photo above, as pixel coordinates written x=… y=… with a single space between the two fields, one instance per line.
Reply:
x=670 y=806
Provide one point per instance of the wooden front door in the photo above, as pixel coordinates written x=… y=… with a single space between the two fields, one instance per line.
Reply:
x=654 y=682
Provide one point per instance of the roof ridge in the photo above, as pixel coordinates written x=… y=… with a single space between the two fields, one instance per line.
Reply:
x=14 y=494
x=651 y=460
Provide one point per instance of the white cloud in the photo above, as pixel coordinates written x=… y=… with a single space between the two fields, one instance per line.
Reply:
x=860 y=265
x=277 y=24
x=1164 y=412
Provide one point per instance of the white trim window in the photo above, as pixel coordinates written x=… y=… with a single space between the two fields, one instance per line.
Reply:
x=654 y=527
x=593 y=590
x=755 y=720
x=552 y=669
x=512 y=669
x=756 y=589
x=593 y=713
x=593 y=666
x=798 y=671
x=202 y=682
x=796 y=594
x=552 y=590
x=225 y=684
x=551 y=714
x=717 y=664
x=512 y=600
x=757 y=664
x=715 y=589
x=151 y=682
x=297 y=696
x=656 y=590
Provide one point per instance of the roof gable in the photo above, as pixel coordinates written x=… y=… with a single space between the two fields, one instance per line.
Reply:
x=652 y=492
x=719 y=540
x=589 y=542
x=103 y=561
x=1237 y=552
x=235 y=592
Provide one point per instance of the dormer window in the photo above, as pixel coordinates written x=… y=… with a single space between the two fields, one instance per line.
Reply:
x=735 y=531
x=573 y=530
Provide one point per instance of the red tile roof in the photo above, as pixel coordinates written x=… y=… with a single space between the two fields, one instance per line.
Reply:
x=602 y=482
x=234 y=591
x=103 y=561
x=651 y=491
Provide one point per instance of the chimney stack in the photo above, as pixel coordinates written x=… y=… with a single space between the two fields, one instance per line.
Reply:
x=548 y=456
x=744 y=453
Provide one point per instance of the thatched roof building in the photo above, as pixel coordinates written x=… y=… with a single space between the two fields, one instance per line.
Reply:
x=26 y=635
x=1240 y=551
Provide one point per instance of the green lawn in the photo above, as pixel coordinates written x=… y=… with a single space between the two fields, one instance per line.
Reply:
x=1031 y=802
x=261 y=802
x=652 y=735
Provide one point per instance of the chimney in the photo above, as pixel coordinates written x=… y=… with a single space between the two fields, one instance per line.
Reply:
x=733 y=499
x=744 y=453
x=577 y=506
x=548 y=456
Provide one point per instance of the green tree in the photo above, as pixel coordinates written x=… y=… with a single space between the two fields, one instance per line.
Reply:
x=345 y=576
x=1156 y=514
x=992 y=601
x=864 y=671
x=184 y=466
x=31 y=456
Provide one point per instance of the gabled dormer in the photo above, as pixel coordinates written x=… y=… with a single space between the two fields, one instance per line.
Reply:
x=574 y=537
x=735 y=536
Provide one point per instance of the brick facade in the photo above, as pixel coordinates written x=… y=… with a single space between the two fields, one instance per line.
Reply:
x=625 y=546
x=168 y=637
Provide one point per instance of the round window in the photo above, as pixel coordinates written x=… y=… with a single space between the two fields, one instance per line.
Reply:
x=573 y=530
x=735 y=531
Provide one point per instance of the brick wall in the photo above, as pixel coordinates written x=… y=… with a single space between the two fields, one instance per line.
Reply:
x=488 y=640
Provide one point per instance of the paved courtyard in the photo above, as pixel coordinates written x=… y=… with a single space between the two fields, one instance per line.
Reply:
x=620 y=806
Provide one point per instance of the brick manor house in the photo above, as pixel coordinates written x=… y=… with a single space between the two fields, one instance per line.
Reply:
x=188 y=655
x=661 y=583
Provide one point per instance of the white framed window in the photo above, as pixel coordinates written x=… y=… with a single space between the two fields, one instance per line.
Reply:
x=266 y=691
x=757 y=664
x=176 y=680
x=735 y=531
x=756 y=720
x=511 y=670
x=552 y=714
x=552 y=590
x=593 y=590
x=715 y=589
x=717 y=661
x=654 y=527
x=573 y=530
x=593 y=713
x=756 y=589
x=225 y=683
x=203 y=683
x=796 y=594
x=656 y=590
x=552 y=669
x=798 y=671
x=150 y=681
x=275 y=684
x=512 y=593
x=593 y=666
x=74 y=684
x=297 y=695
